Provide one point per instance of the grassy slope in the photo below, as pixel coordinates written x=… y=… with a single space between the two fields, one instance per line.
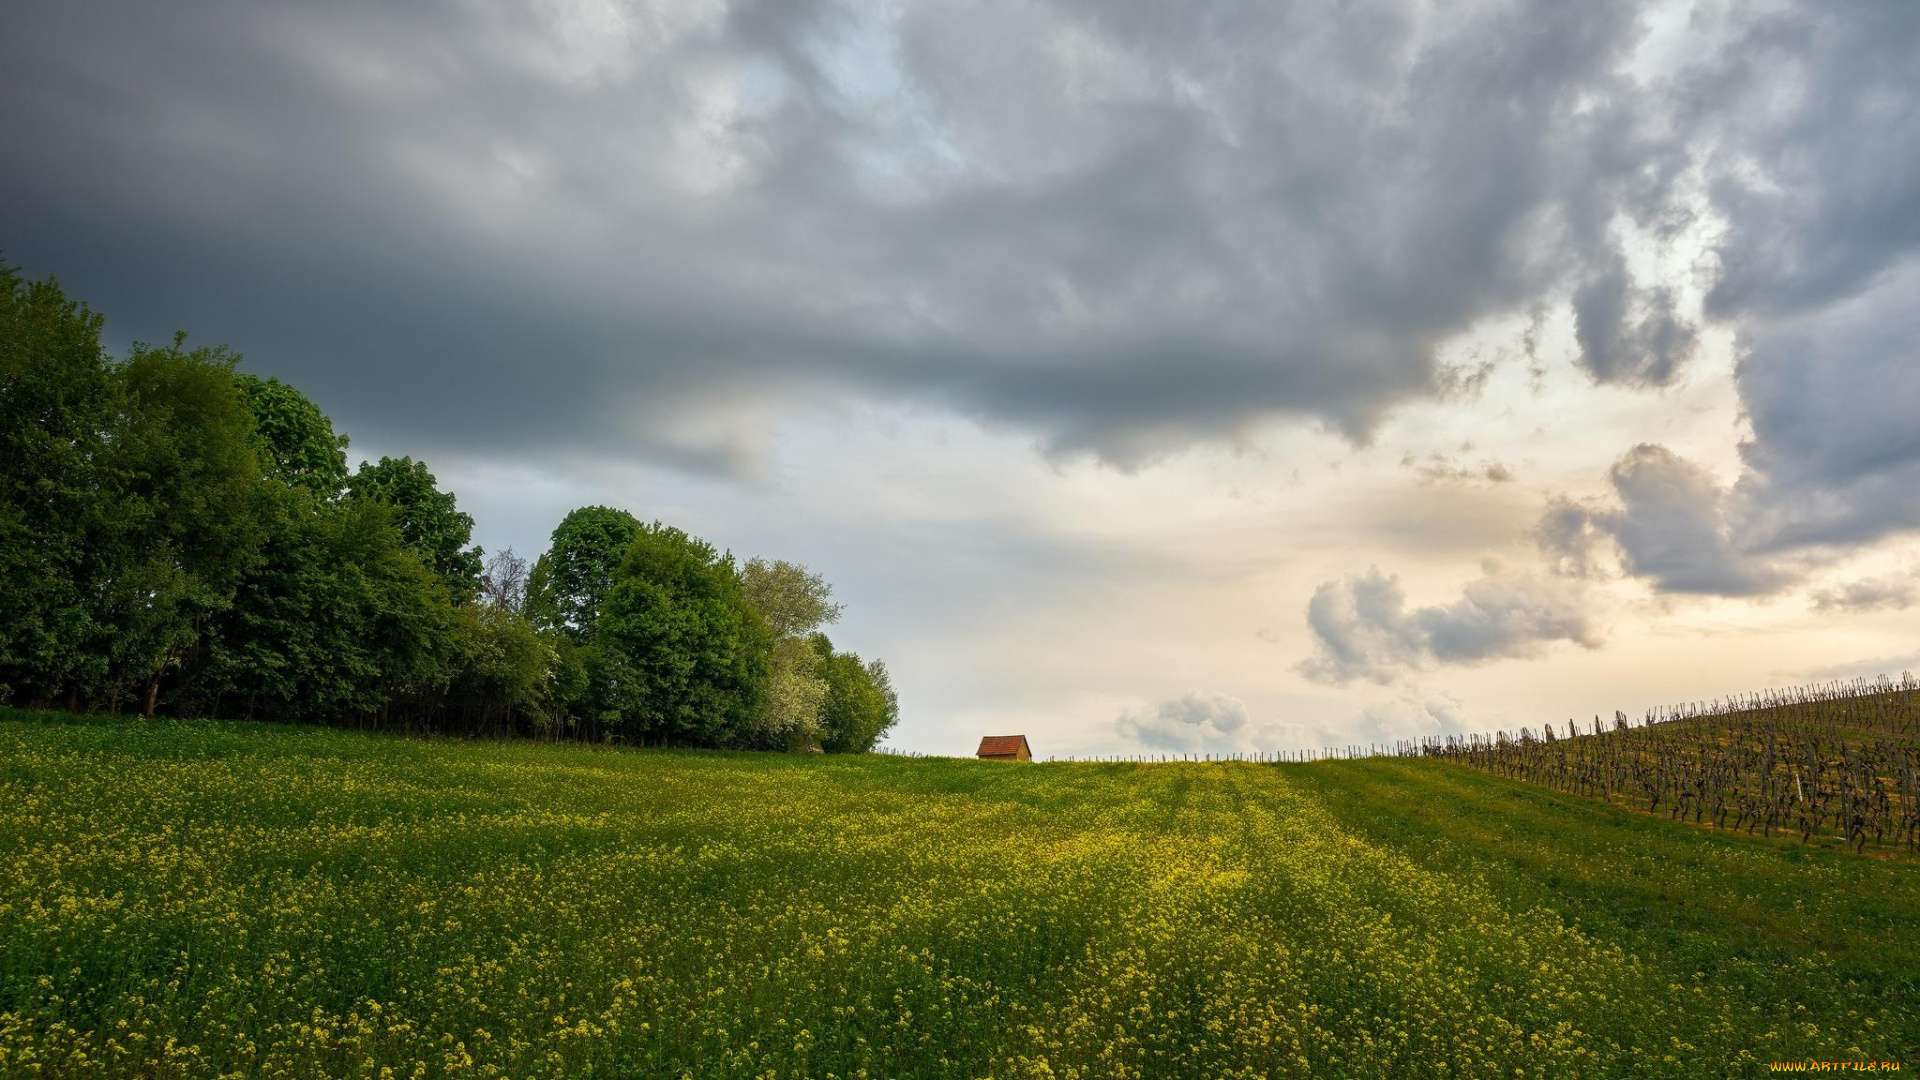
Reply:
x=199 y=899
x=1702 y=899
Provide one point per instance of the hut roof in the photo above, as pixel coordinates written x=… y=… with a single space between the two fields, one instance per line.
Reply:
x=1004 y=746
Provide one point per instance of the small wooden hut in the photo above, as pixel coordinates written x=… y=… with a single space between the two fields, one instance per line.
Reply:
x=1005 y=748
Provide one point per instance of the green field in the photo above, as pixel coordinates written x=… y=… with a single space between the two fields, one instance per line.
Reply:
x=198 y=899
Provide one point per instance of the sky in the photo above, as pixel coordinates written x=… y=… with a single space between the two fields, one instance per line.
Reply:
x=1146 y=378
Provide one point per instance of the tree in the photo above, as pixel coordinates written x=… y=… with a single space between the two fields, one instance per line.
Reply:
x=297 y=443
x=503 y=670
x=183 y=467
x=682 y=654
x=860 y=706
x=569 y=583
x=504 y=584
x=429 y=520
x=56 y=404
x=791 y=598
x=337 y=618
x=792 y=601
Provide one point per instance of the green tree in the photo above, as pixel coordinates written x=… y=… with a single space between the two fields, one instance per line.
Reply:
x=860 y=705
x=337 y=618
x=576 y=689
x=569 y=583
x=683 y=656
x=502 y=670
x=182 y=465
x=429 y=520
x=793 y=603
x=297 y=443
x=791 y=598
x=56 y=404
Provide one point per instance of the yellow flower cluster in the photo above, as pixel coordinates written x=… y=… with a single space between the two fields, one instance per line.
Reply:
x=184 y=900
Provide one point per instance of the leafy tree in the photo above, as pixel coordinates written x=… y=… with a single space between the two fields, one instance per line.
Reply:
x=341 y=614
x=337 y=618
x=791 y=598
x=788 y=716
x=56 y=403
x=502 y=670
x=429 y=520
x=569 y=583
x=682 y=654
x=860 y=706
x=297 y=443
x=792 y=601
x=575 y=680
x=183 y=469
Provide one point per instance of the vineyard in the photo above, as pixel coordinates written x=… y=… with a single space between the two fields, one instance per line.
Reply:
x=1838 y=761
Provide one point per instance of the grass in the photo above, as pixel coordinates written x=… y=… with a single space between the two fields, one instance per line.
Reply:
x=200 y=899
x=1710 y=900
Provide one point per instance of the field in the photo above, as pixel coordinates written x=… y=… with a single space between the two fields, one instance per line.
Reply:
x=198 y=899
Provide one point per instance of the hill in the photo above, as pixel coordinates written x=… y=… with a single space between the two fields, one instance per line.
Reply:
x=201 y=899
x=1828 y=763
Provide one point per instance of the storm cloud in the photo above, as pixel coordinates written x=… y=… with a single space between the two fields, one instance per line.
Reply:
x=1835 y=456
x=1671 y=523
x=497 y=227
x=1818 y=266
x=1832 y=464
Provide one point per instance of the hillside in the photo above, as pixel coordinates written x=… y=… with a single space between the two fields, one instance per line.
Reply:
x=1837 y=763
x=199 y=899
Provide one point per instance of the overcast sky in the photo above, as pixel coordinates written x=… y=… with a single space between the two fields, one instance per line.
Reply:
x=1145 y=378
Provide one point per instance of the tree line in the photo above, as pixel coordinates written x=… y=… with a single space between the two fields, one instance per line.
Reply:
x=178 y=536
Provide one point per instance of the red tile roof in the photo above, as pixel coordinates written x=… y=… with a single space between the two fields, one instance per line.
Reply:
x=1003 y=746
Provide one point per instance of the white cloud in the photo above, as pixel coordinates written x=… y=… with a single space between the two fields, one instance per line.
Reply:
x=1196 y=721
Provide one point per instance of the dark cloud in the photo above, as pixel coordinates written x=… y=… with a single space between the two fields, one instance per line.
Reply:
x=1673 y=526
x=1833 y=462
x=1835 y=455
x=1630 y=334
x=1571 y=540
x=493 y=227
x=1670 y=522
x=1813 y=134
x=1817 y=180
x=1364 y=629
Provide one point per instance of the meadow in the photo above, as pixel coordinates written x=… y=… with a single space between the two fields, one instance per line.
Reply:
x=226 y=899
